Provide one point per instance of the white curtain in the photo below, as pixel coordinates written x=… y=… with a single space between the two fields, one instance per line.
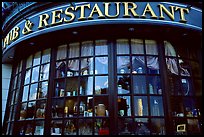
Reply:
x=122 y=46
x=73 y=50
x=61 y=52
x=101 y=47
x=73 y=65
x=171 y=62
x=87 y=48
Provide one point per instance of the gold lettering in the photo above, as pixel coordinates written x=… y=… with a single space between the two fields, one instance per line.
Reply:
x=82 y=17
x=134 y=6
x=96 y=9
x=107 y=10
x=43 y=20
x=6 y=41
x=15 y=33
x=56 y=15
x=182 y=11
x=148 y=8
x=69 y=14
x=170 y=14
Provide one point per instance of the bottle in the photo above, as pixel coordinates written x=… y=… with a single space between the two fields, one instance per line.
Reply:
x=155 y=109
x=119 y=89
x=151 y=89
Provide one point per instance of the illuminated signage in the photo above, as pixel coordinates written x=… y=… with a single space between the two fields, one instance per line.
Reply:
x=68 y=14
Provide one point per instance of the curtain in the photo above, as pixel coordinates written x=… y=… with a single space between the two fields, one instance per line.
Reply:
x=61 y=52
x=171 y=62
x=73 y=50
x=122 y=46
x=101 y=47
x=73 y=65
x=151 y=47
x=87 y=48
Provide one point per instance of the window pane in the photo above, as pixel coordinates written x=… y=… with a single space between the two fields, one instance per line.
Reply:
x=101 y=85
x=152 y=64
x=35 y=74
x=23 y=111
x=140 y=106
x=137 y=46
x=25 y=93
x=138 y=65
x=37 y=58
x=73 y=50
x=85 y=126
x=61 y=52
x=86 y=86
x=33 y=91
x=72 y=86
x=44 y=72
x=158 y=126
x=151 y=47
x=42 y=89
x=27 y=77
x=142 y=126
x=46 y=56
x=29 y=61
x=123 y=64
x=101 y=65
x=56 y=127
x=124 y=84
x=101 y=47
x=156 y=106
x=59 y=88
x=124 y=106
x=73 y=67
x=139 y=85
x=70 y=127
x=86 y=66
x=39 y=128
x=122 y=46
x=60 y=69
x=101 y=127
x=87 y=48
x=154 y=85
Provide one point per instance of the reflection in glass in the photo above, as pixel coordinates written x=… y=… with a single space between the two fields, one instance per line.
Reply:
x=86 y=86
x=36 y=60
x=39 y=128
x=139 y=85
x=29 y=129
x=61 y=52
x=86 y=66
x=56 y=127
x=27 y=77
x=101 y=47
x=141 y=107
x=138 y=65
x=73 y=67
x=151 y=47
x=101 y=65
x=46 y=56
x=29 y=61
x=101 y=85
x=57 y=108
x=122 y=46
x=124 y=106
x=33 y=91
x=85 y=126
x=87 y=48
x=42 y=89
x=25 y=93
x=23 y=112
x=123 y=64
x=35 y=74
x=123 y=84
x=137 y=46
x=186 y=85
x=60 y=69
x=125 y=126
x=156 y=106
x=44 y=72
x=158 y=126
x=154 y=85
x=101 y=127
x=74 y=50
x=152 y=65
x=40 y=109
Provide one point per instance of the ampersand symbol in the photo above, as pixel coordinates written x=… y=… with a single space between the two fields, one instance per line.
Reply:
x=28 y=27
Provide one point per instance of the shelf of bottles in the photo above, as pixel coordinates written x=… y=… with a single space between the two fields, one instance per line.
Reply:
x=80 y=99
